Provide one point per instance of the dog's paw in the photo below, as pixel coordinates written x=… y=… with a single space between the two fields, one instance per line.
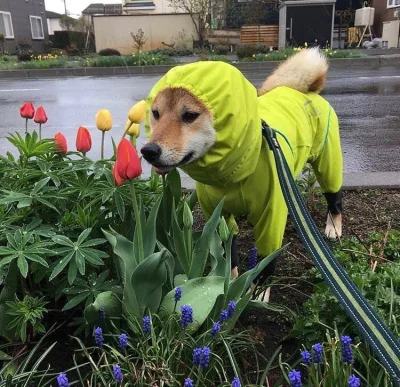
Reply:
x=264 y=296
x=234 y=273
x=333 y=228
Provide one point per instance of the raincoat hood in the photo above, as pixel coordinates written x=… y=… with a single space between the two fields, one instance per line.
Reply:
x=232 y=100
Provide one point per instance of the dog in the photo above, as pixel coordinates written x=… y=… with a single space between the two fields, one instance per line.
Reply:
x=205 y=118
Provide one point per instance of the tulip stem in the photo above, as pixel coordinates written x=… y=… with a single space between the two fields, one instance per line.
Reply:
x=125 y=133
x=102 y=144
x=138 y=227
x=133 y=140
x=40 y=131
x=26 y=125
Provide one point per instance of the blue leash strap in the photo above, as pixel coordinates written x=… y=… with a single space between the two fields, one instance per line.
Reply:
x=385 y=345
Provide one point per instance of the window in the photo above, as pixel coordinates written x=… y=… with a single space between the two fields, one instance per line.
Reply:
x=393 y=3
x=6 y=27
x=37 y=27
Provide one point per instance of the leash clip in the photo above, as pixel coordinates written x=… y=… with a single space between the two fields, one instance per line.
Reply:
x=270 y=136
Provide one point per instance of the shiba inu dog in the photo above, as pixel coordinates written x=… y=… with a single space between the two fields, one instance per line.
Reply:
x=205 y=118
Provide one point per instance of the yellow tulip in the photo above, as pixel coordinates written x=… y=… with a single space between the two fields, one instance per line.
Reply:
x=137 y=112
x=104 y=120
x=132 y=129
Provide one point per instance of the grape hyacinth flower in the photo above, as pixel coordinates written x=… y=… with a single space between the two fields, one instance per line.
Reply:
x=236 y=382
x=188 y=383
x=295 y=378
x=178 y=294
x=252 y=258
x=347 y=352
x=146 y=325
x=123 y=340
x=62 y=380
x=317 y=353
x=102 y=313
x=98 y=337
x=201 y=356
x=306 y=357
x=186 y=316
x=354 y=381
x=117 y=373
x=231 y=308
x=215 y=328
x=223 y=316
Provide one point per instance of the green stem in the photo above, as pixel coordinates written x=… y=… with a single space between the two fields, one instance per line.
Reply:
x=40 y=131
x=137 y=220
x=165 y=210
x=26 y=125
x=133 y=140
x=102 y=144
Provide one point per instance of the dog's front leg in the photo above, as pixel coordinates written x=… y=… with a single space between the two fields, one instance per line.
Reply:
x=234 y=259
x=333 y=228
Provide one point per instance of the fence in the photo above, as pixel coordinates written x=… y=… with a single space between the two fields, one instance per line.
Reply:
x=263 y=34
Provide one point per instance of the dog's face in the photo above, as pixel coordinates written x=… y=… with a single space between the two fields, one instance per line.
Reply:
x=181 y=130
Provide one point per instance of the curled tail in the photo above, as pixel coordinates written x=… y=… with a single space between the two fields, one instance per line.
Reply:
x=305 y=71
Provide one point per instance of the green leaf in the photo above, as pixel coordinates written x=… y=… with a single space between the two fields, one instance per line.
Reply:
x=36 y=258
x=61 y=265
x=120 y=204
x=4 y=356
x=84 y=235
x=110 y=303
x=174 y=183
x=149 y=232
x=179 y=244
x=72 y=271
x=80 y=262
x=22 y=265
x=147 y=281
x=27 y=202
x=63 y=240
x=200 y=293
x=76 y=300
x=202 y=247
x=240 y=307
x=93 y=242
x=39 y=185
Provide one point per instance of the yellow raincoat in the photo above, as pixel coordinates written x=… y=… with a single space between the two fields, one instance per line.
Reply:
x=240 y=166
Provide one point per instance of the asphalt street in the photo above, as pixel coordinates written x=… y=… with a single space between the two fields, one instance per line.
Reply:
x=367 y=104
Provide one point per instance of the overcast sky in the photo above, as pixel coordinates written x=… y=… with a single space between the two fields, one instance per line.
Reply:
x=74 y=7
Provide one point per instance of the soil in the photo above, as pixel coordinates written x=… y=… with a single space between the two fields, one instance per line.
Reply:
x=364 y=211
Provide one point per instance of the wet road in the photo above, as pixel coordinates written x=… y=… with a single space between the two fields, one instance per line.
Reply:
x=367 y=103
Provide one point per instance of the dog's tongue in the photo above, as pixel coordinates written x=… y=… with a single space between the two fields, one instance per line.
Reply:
x=159 y=171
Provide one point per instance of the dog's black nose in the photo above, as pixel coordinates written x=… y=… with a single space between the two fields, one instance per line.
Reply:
x=151 y=152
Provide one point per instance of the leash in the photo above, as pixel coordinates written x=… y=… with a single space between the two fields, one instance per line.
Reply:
x=373 y=329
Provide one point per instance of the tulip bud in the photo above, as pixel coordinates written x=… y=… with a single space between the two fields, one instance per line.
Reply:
x=83 y=140
x=137 y=112
x=223 y=230
x=40 y=116
x=61 y=143
x=133 y=129
x=128 y=162
x=104 y=120
x=27 y=110
x=187 y=216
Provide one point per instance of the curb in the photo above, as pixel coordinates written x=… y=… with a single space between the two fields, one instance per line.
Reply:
x=371 y=63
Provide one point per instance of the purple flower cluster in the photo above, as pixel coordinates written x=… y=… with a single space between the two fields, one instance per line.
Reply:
x=102 y=314
x=215 y=328
x=231 y=308
x=188 y=383
x=146 y=327
x=201 y=356
x=123 y=340
x=236 y=382
x=178 y=294
x=354 y=381
x=223 y=316
x=98 y=337
x=62 y=380
x=295 y=378
x=306 y=357
x=347 y=352
x=252 y=258
x=186 y=315
x=117 y=373
x=317 y=353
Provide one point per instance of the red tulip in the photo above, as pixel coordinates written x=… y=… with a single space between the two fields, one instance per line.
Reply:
x=40 y=116
x=27 y=110
x=117 y=178
x=61 y=143
x=128 y=163
x=83 y=140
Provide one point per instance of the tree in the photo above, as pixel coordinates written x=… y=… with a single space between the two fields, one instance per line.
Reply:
x=67 y=22
x=198 y=11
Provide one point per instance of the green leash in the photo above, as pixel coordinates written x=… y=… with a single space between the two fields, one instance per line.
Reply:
x=373 y=329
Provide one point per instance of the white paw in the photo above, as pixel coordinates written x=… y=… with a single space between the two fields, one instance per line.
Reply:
x=234 y=273
x=264 y=296
x=333 y=228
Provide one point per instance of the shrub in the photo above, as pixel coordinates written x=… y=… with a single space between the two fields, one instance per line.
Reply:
x=109 y=52
x=245 y=51
x=222 y=49
x=262 y=48
x=24 y=57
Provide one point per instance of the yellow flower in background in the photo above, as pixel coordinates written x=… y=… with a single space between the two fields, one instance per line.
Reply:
x=137 y=112
x=132 y=129
x=104 y=120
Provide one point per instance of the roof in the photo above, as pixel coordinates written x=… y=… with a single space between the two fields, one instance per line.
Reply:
x=100 y=8
x=53 y=15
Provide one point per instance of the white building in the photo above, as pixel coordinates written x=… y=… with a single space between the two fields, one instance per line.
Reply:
x=53 y=22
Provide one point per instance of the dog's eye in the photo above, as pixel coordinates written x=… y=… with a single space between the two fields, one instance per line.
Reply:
x=189 y=117
x=156 y=114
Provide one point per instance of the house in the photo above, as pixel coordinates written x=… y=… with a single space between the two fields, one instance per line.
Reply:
x=23 y=22
x=53 y=22
x=386 y=11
